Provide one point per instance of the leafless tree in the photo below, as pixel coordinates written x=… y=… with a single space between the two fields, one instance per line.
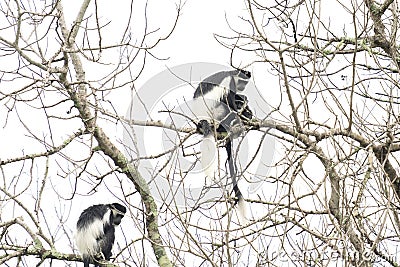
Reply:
x=336 y=67
x=47 y=87
x=328 y=71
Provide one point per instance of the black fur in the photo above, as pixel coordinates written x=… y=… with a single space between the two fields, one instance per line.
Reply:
x=235 y=107
x=106 y=240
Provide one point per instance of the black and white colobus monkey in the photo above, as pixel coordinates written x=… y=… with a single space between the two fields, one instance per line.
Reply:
x=217 y=98
x=96 y=231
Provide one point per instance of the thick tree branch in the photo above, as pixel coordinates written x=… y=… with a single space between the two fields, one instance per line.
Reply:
x=380 y=38
x=106 y=146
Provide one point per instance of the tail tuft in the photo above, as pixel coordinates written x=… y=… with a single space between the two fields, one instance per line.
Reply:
x=209 y=151
x=209 y=156
x=242 y=211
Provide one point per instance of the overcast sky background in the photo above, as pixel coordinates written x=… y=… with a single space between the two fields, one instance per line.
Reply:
x=192 y=41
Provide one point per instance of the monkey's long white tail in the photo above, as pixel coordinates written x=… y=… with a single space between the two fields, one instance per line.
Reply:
x=242 y=211
x=209 y=157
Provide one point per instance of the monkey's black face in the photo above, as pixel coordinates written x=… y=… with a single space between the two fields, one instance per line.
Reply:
x=117 y=213
x=117 y=219
x=242 y=79
x=204 y=127
x=241 y=84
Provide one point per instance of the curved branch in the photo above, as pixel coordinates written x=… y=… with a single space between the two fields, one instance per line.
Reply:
x=109 y=149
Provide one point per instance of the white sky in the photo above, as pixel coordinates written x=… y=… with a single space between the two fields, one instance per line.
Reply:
x=191 y=41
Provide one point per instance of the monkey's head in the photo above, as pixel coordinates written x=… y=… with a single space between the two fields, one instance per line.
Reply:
x=241 y=79
x=118 y=212
x=204 y=127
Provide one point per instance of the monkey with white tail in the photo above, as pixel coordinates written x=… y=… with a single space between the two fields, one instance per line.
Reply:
x=96 y=232
x=217 y=101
